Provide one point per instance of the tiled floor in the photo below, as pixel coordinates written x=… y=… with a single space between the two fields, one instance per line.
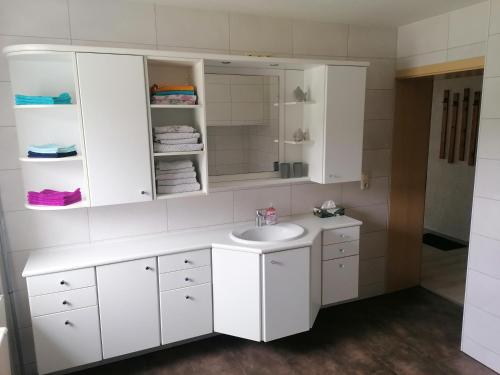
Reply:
x=443 y=272
x=409 y=332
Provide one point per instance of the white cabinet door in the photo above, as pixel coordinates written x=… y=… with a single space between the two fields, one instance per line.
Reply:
x=237 y=298
x=286 y=289
x=315 y=277
x=115 y=122
x=128 y=306
x=340 y=279
x=67 y=339
x=345 y=108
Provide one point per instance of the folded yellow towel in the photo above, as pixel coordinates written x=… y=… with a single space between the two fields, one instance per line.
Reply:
x=156 y=88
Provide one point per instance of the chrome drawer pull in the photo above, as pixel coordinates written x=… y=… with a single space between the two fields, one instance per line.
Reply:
x=188 y=297
x=341 y=250
x=62 y=282
x=186 y=261
x=148 y=268
x=341 y=265
x=186 y=279
x=67 y=322
x=65 y=302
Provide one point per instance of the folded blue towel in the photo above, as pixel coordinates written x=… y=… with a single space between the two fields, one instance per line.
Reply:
x=64 y=98
x=182 y=92
x=51 y=149
x=51 y=155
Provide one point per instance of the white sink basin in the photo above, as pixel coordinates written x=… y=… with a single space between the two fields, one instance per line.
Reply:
x=267 y=234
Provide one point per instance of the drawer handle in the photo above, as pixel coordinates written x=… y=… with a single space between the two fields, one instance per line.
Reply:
x=341 y=265
x=186 y=279
x=67 y=322
x=275 y=262
x=188 y=297
x=148 y=268
x=341 y=250
x=186 y=261
x=62 y=282
x=342 y=235
x=65 y=302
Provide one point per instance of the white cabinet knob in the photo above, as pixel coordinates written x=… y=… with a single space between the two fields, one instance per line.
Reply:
x=341 y=265
x=144 y=192
x=341 y=250
x=67 y=322
x=342 y=235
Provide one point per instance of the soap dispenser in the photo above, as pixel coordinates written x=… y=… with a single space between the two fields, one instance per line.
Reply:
x=271 y=215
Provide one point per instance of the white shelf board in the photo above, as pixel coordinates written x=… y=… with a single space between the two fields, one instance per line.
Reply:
x=181 y=195
x=176 y=106
x=50 y=160
x=83 y=203
x=41 y=106
x=295 y=103
x=159 y=154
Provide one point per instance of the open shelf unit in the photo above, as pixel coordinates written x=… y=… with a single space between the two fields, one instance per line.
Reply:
x=49 y=74
x=179 y=72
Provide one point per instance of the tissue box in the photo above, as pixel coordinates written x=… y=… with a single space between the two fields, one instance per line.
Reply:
x=320 y=212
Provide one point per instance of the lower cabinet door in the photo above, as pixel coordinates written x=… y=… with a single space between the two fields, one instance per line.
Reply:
x=186 y=313
x=67 y=339
x=128 y=306
x=340 y=279
x=286 y=293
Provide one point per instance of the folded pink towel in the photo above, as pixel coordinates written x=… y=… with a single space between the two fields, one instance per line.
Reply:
x=50 y=197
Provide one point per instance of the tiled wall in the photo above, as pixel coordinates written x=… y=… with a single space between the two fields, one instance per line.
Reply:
x=481 y=325
x=97 y=22
x=457 y=35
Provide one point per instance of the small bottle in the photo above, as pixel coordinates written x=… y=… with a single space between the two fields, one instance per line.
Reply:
x=271 y=215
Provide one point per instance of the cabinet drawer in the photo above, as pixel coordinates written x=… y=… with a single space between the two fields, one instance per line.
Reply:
x=182 y=261
x=340 y=279
x=185 y=278
x=340 y=235
x=60 y=281
x=340 y=250
x=186 y=313
x=63 y=301
x=67 y=339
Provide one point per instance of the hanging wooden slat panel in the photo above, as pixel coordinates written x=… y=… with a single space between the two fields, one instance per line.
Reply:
x=453 y=129
x=444 y=124
x=463 y=128
x=474 y=128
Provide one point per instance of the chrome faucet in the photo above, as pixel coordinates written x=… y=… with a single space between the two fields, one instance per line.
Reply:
x=260 y=218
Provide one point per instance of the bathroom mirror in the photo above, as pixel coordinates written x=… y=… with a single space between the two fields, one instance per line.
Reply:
x=243 y=124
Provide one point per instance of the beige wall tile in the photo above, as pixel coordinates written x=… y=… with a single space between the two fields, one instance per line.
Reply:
x=372 y=290
x=374 y=218
x=467 y=52
x=372 y=42
x=495 y=17
x=371 y=271
x=373 y=245
x=247 y=201
x=377 y=193
x=492 y=68
x=423 y=59
x=377 y=163
x=319 y=38
x=377 y=134
x=469 y=25
x=379 y=105
x=307 y=196
x=380 y=74
x=98 y=43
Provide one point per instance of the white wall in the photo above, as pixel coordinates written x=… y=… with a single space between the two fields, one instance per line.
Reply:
x=448 y=195
x=481 y=326
x=457 y=35
x=94 y=22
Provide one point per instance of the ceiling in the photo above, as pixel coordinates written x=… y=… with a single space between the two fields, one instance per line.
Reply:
x=389 y=13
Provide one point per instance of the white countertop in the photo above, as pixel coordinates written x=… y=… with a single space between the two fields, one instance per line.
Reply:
x=107 y=252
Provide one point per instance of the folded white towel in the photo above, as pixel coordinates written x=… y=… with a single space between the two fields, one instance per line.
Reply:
x=178 y=188
x=176 y=135
x=173 y=129
x=174 y=176
x=158 y=147
x=180 y=170
x=183 y=141
x=178 y=181
x=164 y=165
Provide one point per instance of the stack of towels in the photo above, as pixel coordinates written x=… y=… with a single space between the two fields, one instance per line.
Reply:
x=51 y=151
x=178 y=176
x=173 y=94
x=64 y=98
x=176 y=138
x=49 y=197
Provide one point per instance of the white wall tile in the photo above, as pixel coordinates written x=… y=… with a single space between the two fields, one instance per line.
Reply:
x=48 y=18
x=374 y=218
x=492 y=67
x=466 y=52
x=379 y=105
x=377 y=193
x=373 y=245
x=260 y=34
x=484 y=292
x=482 y=327
x=487 y=182
x=377 y=163
x=127 y=220
x=9 y=154
x=15 y=263
x=372 y=42
x=307 y=196
x=469 y=25
x=485 y=217
x=495 y=17
x=377 y=134
x=491 y=93
x=192 y=28
x=11 y=190
x=480 y=353
x=489 y=136
x=32 y=229
x=213 y=209
x=371 y=271
x=484 y=255
x=423 y=59
x=380 y=74
x=112 y=21
x=6 y=105
x=247 y=201
x=424 y=36
x=319 y=38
